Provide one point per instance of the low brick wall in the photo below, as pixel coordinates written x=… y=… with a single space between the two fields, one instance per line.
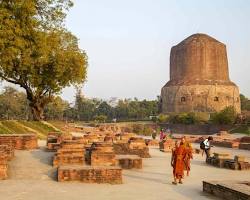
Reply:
x=166 y=145
x=20 y=141
x=228 y=190
x=90 y=174
x=224 y=161
x=3 y=166
x=124 y=149
x=152 y=142
x=245 y=146
x=129 y=161
x=8 y=151
x=69 y=156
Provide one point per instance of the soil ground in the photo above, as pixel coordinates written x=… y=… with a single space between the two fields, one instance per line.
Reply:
x=33 y=178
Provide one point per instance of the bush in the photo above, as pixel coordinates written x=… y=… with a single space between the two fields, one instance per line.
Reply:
x=226 y=116
x=163 y=118
x=100 y=118
x=137 y=128
x=184 y=118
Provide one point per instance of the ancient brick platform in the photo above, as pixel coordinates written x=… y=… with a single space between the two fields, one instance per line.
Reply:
x=3 y=165
x=102 y=154
x=125 y=149
x=228 y=190
x=8 y=151
x=245 y=146
x=69 y=156
x=224 y=161
x=129 y=161
x=20 y=141
x=90 y=174
x=166 y=145
x=152 y=142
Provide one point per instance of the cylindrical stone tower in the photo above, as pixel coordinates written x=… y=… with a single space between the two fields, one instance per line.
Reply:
x=199 y=77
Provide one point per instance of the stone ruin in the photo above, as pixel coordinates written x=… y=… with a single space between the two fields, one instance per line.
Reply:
x=8 y=144
x=223 y=160
x=167 y=145
x=228 y=190
x=94 y=158
x=134 y=146
x=20 y=141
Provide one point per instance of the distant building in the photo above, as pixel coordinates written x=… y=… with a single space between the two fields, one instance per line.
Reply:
x=199 y=77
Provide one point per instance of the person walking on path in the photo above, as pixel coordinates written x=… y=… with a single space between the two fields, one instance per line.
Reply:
x=177 y=162
x=206 y=146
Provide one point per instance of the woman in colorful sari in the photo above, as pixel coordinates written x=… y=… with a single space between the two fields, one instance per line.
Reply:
x=177 y=162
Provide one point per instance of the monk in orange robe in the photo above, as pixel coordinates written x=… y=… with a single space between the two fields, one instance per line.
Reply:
x=177 y=161
x=188 y=157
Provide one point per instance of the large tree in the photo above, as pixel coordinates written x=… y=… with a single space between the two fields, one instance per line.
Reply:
x=37 y=52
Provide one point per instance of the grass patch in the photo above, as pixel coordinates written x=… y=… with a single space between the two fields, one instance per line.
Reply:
x=15 y=127
x=244 y=129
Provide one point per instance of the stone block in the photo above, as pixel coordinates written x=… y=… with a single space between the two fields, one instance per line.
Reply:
x=90 y=174
x=129 y=161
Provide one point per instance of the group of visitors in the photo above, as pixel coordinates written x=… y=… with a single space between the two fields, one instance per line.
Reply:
x=182 y=155
x=180 y=161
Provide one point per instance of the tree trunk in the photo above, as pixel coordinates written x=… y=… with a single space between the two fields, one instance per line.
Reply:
x=37 y=111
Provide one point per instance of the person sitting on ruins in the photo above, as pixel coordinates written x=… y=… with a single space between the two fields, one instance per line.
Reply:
x=177 y=162
x=207 y=146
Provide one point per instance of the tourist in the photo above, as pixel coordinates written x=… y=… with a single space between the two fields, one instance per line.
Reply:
x=206 y=146
x=177 y=162
x=188 y=157
x=162 y=135
x=154 y=134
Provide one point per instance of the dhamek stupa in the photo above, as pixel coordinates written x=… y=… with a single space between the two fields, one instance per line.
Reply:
x=199 y=77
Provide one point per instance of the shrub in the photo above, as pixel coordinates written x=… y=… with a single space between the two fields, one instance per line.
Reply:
x=226 y=116
x=163 y=118
x=100 y=118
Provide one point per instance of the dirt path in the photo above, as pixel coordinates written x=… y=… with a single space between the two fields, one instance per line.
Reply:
x=32 y=165
x=32 y=179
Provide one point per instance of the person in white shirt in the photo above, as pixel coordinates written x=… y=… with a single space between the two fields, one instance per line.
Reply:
x=207 y=146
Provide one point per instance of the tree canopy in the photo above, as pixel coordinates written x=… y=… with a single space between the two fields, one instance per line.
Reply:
x=37 y=52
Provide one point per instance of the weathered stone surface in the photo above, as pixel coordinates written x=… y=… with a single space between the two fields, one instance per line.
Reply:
x=124 y=149
x=8 y=151
x=20 y=141
x=228 y=190
x=199 y=78
x=129 y=161
x=69 y=156
x=152 y=142
x=245 y=146
x=90 y=174
x=102 y=154
x=224 y=161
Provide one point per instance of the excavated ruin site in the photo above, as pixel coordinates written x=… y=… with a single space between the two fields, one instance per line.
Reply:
x=106 y=162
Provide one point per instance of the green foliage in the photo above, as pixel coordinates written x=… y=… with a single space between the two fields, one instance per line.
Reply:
x=184 y=118
x=56 y=108
x=245 y=103
x=100 y=118
x=244 y=129
x=13 y=104
x=226 y=116
x=162 y=118
x=37 y=52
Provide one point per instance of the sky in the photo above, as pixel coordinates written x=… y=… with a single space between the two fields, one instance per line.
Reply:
x=128 y=42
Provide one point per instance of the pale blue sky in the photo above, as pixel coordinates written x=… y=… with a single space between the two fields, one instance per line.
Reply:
x=128 y=41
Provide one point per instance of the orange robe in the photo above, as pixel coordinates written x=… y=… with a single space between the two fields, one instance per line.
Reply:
x=188 y=157
x=178 y=154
